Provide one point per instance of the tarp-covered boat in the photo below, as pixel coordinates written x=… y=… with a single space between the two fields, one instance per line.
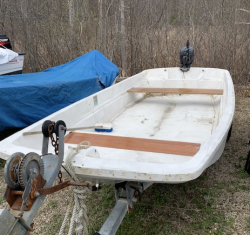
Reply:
x=27 y=98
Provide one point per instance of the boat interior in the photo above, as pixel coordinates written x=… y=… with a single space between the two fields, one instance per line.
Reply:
x=182 y=109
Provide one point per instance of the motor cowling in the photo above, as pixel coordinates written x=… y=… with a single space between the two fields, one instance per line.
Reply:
x=186 y=57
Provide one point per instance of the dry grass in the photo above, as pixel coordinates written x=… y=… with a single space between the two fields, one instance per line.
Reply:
x=218 y=202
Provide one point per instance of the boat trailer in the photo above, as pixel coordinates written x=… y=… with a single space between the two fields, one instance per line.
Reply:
x=131 y=192
x=30 y=178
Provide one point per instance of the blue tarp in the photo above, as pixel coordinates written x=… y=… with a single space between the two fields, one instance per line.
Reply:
x=27 y=98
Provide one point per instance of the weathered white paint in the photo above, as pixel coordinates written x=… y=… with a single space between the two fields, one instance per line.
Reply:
x=203 y=119
x=12 y=66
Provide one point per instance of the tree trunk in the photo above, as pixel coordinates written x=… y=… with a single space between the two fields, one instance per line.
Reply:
x=123 y=41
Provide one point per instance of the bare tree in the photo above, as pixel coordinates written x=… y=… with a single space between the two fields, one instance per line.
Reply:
x=71 y=12
x=134 y=34
x=123 y=41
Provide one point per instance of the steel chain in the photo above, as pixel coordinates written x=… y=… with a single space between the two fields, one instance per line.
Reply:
x=53 y=141
x=60 y=176
x=55 y=145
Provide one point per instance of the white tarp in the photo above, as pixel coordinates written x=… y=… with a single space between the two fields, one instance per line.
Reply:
x=6 y=55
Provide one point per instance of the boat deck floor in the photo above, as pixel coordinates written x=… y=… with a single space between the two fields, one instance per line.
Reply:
x=184 y=118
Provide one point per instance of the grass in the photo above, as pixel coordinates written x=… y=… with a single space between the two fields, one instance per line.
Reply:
x=207 y=205
x=2 y=163
x=168 y=209
x=1 y=199
x=248 y=224
x=2 y=184
x=191 y=213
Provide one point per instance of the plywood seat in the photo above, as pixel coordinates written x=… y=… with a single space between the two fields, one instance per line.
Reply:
x=199 y=91
x=137 y=144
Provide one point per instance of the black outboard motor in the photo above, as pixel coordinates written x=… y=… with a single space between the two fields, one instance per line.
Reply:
x=186 y=57
x=5 y=42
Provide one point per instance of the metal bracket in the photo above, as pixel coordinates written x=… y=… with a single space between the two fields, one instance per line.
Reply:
x=126 y=194
x=58 y=187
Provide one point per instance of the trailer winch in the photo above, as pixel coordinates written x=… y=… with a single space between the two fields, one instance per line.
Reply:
x=30 y=178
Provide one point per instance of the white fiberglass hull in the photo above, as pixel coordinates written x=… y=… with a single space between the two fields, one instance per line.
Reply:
x=14 y=66
x=199 y=119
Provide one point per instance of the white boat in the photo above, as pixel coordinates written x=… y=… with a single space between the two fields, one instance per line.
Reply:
x=168 y=127
x=10 y=61
x=14 y=66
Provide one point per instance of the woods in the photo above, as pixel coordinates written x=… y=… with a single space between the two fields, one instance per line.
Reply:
x=135 y=35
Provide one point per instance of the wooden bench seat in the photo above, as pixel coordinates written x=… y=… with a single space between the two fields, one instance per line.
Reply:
x=200 y=91
x=131 y=143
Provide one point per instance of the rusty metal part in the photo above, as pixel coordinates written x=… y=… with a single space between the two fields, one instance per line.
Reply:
x=16 y=160
x=28 y=231
x=33 y=194
x=54 y=142
x=137 y=193
x=11 y=170
x=31 y=160
x=130 y=209
x=51 y=127
x=58 y=187
x=60 y=177
x=67 y=172
x=14 y=197
x=17 y=192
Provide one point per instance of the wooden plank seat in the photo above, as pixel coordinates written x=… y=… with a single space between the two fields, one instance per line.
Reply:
x=131 y=143
x=200 y=91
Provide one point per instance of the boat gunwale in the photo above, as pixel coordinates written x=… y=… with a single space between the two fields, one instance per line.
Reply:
x=194 y=167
